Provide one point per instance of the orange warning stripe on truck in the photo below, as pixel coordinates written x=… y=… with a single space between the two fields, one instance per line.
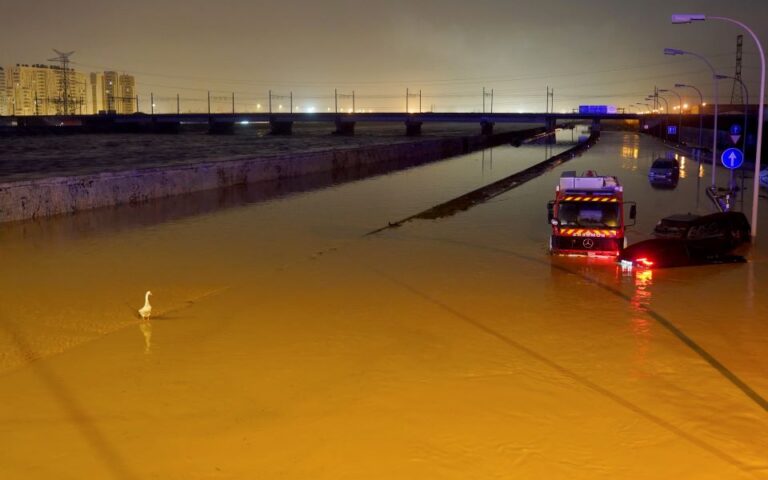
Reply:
x=587 y=232
x=573 y=198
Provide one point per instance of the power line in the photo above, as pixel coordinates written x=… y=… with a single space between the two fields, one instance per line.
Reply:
x=63 y=58
x=505 y=78
x=737 y=96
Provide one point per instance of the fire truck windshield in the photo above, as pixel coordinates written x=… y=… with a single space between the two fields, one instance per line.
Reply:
x=588 y=214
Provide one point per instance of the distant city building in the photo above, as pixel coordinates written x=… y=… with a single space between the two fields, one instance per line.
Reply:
x=112 y=92
x=47 y=90
x=42 y=90
x=96 y=102
x=127 y=89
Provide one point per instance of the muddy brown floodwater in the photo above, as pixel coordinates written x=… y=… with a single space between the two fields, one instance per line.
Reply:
x=286 y=344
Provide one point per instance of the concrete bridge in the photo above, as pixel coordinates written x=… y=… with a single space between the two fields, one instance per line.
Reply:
x=282 y=123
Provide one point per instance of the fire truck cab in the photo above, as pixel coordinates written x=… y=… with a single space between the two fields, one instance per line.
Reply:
x=587 y=215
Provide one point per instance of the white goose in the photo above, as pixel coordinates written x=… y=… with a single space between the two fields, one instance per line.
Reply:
x=146 y=310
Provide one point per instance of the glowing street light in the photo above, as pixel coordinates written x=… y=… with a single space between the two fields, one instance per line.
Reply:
x=688 y=17
x=675 y=51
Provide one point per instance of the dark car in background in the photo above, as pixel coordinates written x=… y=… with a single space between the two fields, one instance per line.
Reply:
x=688 y=239
x=664 y=173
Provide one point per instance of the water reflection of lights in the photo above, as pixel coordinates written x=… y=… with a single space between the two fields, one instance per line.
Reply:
x=146 y=329
x=630 y=151
x=683 y=172
x=644 y=278
x=701 y=171
x=640 y=324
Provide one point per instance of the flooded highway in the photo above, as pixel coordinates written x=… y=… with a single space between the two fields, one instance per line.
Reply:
x=285 y=343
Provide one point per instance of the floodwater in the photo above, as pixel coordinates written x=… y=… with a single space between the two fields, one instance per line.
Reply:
x=284 y=343
x=27 y=157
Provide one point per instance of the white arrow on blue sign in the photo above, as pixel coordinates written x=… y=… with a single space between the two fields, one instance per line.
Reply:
x=732 y=158
x=735 y=129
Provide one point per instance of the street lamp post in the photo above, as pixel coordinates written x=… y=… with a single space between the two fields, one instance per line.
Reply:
x=674 y=51
x=688 y=18
x=646 y=105
x=701 y=107
x=666 y=110
x=680 y=113
x=666 y=116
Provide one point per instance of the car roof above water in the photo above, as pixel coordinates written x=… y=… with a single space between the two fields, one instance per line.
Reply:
x=680 y=218
x=664 y=163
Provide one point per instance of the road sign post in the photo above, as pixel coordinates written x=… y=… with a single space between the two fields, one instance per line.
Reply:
x=735 y=132
x=732 y=158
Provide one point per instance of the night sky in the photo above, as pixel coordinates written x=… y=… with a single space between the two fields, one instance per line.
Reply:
x=588 y=51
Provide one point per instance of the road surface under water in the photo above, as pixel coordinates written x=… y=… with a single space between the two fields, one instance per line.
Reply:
x=286 y=344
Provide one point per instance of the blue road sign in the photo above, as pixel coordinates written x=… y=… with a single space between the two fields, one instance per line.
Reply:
x=672 y=129
x=735 y=129
x=732 y=158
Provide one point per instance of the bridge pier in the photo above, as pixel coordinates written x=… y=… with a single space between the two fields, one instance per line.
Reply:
x=550 y=124
x=221 y=128
x=344 y=127
x=595 y=125
x=486 y=127
x=280 y=127
x=413 y=128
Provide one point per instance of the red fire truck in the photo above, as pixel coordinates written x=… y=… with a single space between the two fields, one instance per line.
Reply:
x=587 y=215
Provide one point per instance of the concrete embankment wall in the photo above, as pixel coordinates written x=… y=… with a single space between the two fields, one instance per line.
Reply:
x=24 y=200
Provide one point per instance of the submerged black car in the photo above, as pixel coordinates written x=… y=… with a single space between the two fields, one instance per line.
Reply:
x=674 y=252
x=683 y=240
x=722 y=231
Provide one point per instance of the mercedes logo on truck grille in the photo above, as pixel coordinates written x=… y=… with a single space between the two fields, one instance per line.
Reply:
x=588 y=243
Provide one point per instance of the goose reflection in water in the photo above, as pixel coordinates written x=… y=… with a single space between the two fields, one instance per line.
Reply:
x=146 y=329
